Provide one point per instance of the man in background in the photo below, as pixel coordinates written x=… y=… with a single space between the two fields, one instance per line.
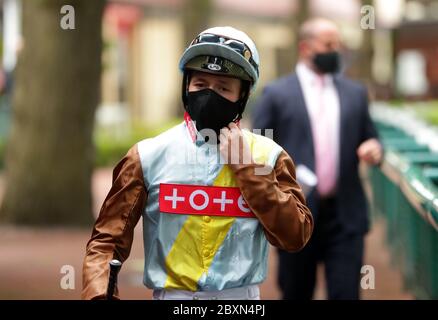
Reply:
x=322 y=119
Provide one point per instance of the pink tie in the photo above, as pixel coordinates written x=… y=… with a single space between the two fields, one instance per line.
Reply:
x=324 y=146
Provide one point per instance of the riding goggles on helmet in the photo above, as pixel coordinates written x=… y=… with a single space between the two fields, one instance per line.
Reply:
x=236 y=45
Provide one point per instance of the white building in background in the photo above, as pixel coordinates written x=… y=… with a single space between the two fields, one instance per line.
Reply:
x=143 y=40
x=411 y=73
x=141 y=54
x=11 y=33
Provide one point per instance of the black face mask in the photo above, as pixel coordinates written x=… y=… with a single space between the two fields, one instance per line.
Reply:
x=210 y=110
x=327 y=62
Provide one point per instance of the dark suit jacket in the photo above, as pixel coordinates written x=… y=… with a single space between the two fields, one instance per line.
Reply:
x=282 y=108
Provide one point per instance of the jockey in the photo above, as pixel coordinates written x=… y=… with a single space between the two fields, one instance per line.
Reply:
x=211 y=194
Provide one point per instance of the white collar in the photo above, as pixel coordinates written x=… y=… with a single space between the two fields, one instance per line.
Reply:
x=310 y=77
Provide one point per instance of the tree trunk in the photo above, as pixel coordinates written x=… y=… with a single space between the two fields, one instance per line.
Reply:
x=302 y=15
x=288 y=57
x=50 y=150
x=196 y=18
x=366 y=52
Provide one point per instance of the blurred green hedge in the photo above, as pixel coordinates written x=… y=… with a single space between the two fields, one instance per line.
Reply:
x=109 y=148
x=429 y=112
x=426 y=110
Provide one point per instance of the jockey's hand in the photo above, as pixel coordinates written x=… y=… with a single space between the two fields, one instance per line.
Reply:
x=233 y=147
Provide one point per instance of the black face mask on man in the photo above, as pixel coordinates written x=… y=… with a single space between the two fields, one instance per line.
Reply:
x=328 y=62
x=210 y=110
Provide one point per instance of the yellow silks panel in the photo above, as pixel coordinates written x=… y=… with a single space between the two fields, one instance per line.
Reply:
x=261 y=147
x=197 y=243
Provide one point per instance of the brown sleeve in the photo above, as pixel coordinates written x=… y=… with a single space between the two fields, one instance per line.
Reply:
x=113 y=231
x=278 y=202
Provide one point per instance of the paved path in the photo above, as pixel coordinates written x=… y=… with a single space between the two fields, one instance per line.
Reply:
x=31 y=261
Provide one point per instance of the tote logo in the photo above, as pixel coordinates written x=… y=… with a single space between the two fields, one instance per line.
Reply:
x=203 y=200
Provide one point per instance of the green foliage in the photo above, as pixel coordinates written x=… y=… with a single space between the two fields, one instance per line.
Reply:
x=428 y=111
x=397 y=103
x=110 y=148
